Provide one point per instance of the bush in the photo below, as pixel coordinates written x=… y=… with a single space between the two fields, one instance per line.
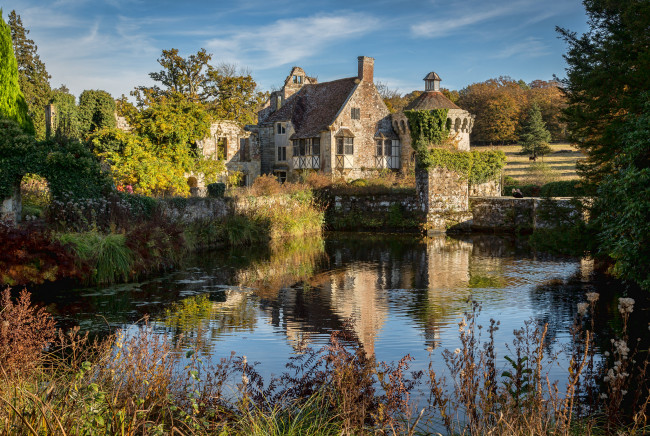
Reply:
x=30 y=256
x=216 y=190
x=359 y=183
x=108 y=255
x=265 y=185
x=566 y=188
x=25 y=331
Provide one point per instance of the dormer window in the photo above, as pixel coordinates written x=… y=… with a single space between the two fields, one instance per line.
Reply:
x=297 y=79
x=356 y=113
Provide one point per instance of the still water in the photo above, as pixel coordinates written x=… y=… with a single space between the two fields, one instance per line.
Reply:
x=403 y=294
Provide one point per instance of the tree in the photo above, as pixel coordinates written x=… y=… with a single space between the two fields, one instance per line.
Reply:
x=67 y=125
x=184 y=76
x=623 y=203
x=33 y=77
x=12 y=100
x=607 y=74
x=96 y=111
x=548 y=95
x=498 y=105
x=534 y=137
x=161 y=148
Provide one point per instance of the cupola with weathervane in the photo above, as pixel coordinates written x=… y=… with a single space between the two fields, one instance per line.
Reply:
x=432 y=82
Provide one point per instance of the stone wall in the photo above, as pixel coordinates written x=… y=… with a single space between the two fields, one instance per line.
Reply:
x=443 y=196
x=378 y=203
x=11 y=208
x=487 y=189
x=526 y=214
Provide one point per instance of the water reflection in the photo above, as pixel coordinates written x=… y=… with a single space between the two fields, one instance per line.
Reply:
x=403 y=294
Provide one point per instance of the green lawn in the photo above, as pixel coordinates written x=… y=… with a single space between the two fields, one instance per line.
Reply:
x=562 y=162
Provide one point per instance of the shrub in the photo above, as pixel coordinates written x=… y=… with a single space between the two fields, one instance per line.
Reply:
x=30 y=256
x=25 y=331
x=566 y=188
x=110 y=257
x=265 y=185
x=359 y=182
x=216 y=190
x=156 y=245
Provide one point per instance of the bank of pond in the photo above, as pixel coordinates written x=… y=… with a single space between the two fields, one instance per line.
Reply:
x=346 y=333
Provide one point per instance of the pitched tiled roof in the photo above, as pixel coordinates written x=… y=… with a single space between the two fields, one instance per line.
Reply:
x=313 y=109
x=431 y=100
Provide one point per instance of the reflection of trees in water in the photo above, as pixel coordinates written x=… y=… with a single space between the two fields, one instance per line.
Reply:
x=289 y=261
x=203 y=320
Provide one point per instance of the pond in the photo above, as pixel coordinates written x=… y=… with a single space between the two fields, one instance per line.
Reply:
x=402 y=294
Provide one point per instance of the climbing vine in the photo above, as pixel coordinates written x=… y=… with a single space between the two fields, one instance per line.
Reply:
x=69 y=167
x=428 y=127
x=475 y=166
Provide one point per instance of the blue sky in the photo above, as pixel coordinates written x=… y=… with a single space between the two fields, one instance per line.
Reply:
x=114 y=44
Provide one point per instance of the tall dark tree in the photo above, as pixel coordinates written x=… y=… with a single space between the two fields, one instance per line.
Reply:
x=33 y=77
x=534 y=136
x=607 y=73
x=12 y=100
x=96 y=111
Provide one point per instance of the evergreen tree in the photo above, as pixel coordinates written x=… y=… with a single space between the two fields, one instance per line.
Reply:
x=67 y=125
x=534 y=137
x=33 y=78
x=12 y=101
x=96 y=111
x=607 y=74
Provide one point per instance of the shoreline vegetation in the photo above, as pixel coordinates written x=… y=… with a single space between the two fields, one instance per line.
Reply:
x=139 y=382
x=123 y=237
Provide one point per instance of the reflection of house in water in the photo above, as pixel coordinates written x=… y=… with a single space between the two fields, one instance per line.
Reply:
x=429 y=283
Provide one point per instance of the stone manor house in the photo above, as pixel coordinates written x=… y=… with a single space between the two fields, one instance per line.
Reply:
x=341 y=127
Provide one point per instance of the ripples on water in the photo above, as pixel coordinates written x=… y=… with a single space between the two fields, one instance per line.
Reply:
x=405 y=296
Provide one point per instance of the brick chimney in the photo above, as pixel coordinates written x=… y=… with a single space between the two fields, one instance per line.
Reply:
x=366 y=68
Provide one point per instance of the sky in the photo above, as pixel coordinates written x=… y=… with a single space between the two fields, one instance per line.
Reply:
x=114 y=44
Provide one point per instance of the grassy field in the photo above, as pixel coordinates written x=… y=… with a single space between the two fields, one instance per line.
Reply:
x=561 y=162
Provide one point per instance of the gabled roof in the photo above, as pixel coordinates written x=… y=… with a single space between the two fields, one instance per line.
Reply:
x=314 y=108
x=431 y=100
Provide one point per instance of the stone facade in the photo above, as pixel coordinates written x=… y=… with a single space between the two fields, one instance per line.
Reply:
x=379 y=203
x=334 y=127
x=241 y=152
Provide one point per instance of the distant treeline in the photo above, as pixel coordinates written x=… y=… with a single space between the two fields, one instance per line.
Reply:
x=500 y=105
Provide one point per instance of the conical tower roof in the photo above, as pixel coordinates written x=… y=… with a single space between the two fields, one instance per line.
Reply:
x=431 y=98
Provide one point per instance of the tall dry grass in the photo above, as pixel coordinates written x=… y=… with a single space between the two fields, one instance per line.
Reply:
x=137 y=382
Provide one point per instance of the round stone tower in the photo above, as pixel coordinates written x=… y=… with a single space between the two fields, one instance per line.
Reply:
x=459 y=120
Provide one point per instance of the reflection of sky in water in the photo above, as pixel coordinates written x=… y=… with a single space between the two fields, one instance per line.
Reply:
x=404 y=295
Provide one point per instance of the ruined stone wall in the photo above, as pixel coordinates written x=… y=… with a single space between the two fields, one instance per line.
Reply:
x=524 y=214
x=11 y=208
x=487 y=189
x=378 y=203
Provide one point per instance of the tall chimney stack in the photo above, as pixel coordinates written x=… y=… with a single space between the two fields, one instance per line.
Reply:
x=366 y=68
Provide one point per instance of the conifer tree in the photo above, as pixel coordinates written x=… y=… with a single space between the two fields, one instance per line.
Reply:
x=33 y=78
x=534 y=137
x=12 y=101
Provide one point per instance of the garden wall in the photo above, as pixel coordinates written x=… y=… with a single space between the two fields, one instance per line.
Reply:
x=508 y=213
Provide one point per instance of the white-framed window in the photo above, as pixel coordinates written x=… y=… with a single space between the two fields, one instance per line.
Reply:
x=281 y=175
x=344 y=145
x=282 y=129
x=385 y=147
x=355 y=113
x=306 y=147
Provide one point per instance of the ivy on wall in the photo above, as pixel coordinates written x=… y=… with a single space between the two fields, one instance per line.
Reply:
x=475 y=166
x=427 y=127
x=430 y=128
x=71 y=170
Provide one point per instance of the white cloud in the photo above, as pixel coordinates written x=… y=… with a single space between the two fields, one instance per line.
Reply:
x=287 y=41
x=529 y=48
x=458 y=19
